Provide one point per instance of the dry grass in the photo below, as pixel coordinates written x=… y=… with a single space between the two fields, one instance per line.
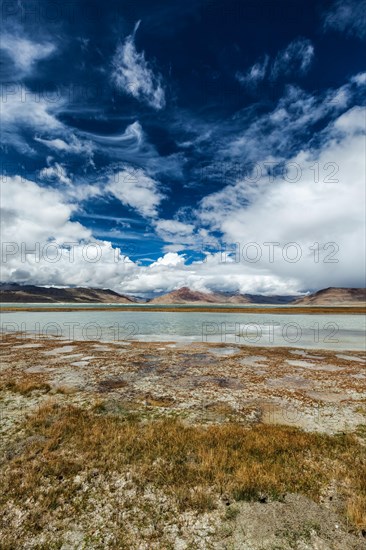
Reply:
x=193 y=465
x=25 y=386
x=158 y=401
x=221 y=408
x=356 y=508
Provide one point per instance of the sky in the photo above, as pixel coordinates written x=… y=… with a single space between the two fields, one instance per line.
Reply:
x=215 y=144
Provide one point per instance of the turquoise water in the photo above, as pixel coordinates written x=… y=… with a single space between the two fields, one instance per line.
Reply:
x=334 y=332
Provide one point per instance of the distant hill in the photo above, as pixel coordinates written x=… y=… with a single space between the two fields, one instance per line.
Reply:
x=12 y=292
x=334 y=296
x=185 y=295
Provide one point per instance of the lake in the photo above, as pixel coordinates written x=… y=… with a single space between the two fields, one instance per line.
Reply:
x=333 y=332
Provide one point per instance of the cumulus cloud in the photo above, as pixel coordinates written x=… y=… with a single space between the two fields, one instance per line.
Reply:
x=42 y=245
x=305 y=208
x=172 y=271
x=348 y=16
x=136 y=190
x=133 y=74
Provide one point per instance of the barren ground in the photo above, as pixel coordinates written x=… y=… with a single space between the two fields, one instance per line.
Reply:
x=315 y=402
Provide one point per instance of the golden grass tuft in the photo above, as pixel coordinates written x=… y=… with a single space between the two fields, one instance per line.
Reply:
x=356 y=510
x=158 y=401
x=24 y=387
x=221 y=408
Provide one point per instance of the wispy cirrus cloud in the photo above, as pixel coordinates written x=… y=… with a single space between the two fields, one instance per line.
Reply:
x=253 y=135
x=30 y=118
x=348 y=16
x=255 y=74
x=295 y=59
x=23 y=110
x=73 y=145
x=22 y=54
x=133 y=74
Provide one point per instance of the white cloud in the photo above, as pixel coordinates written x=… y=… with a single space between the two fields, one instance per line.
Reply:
x=133 y=134
x=171 y=272
x=255 y=74
x=56 y=144
x=179 y=235
x=296 y=58
x=38 y=212
x=25 y=53
x=73 y=189
x=170 y=229
x=304 y=211
x=352 y=122
x=132 y=146
x=38 y=220
x=132 y=74
x=55 y=172
x=359 y=79
x=136 y=190
x=330 y=210
x=134 y=131
x=348 y=16
x=23 y=109
x=171 y=259
x=287 y=126
x=74 y=145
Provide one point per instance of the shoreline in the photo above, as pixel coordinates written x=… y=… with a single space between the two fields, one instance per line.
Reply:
x=288 y=310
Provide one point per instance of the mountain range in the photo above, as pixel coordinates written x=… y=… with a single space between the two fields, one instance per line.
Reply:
x=13 y=292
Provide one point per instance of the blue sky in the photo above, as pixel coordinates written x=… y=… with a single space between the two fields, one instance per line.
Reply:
x=166 y=132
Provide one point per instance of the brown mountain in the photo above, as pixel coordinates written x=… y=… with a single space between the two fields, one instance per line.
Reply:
x=334 y=296
x=185 y=295
x=10 y=292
